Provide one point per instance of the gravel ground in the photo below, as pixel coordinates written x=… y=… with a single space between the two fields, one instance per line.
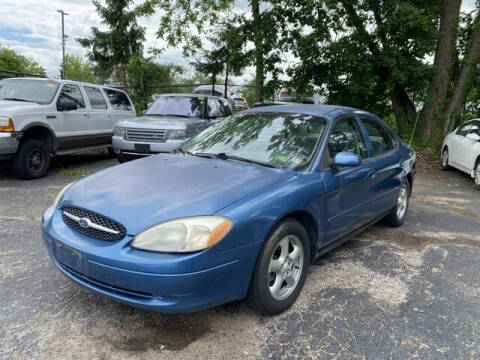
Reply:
x=388 y=293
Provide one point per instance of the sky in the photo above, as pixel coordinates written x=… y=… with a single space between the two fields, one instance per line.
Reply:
x=33 y=28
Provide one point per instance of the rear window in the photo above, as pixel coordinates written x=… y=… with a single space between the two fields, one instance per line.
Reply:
x=382 y=141
x=97 y=101
x=118 y=100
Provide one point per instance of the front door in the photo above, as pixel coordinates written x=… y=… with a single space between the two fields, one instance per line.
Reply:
x=470 y=135
x=349 y=189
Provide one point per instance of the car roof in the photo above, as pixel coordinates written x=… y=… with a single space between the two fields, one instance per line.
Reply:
x=192 y=95
x=325 y=111
x=65 y=82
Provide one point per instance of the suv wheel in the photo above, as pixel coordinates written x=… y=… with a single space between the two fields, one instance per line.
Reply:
x=476 y=177
x=32 y=160
x=281 y=269
x=397 y=215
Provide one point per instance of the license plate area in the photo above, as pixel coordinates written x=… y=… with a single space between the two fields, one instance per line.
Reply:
x=142 y=148
x=70 y=257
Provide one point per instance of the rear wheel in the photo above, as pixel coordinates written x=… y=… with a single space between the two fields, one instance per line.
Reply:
x=397 y=214
x=476 y=177
x=445 y=155
x=281 y=269
x=32 y=159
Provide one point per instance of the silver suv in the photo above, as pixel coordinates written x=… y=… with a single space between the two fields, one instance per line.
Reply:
x=41 y=118
x=170 y=121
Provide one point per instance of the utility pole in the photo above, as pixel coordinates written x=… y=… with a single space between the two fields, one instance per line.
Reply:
x=64 y=38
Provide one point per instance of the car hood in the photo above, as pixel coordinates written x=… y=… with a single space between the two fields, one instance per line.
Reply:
x=163 y=122
x=12 y=108
x=148 y=191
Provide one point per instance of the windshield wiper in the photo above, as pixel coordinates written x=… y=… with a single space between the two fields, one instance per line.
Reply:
x=228 y=156
x=17 y=99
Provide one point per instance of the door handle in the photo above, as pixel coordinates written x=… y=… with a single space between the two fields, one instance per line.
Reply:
x=86 y=115
x=372 y=174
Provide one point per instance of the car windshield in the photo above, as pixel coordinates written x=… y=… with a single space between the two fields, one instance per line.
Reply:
x=185 y=106
x=37 y=91
x=282 y=140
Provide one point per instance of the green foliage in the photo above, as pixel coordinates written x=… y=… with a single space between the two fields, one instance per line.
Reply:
x=11 y=61
x=113 y=48
x=248 y=92
x=79 y=70
x=145 y=78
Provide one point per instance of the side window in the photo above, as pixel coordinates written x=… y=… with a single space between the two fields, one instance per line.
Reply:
x=118 y=100
x=464 y=129
x=221 y=108
x=346 y=136
x=382 y=141
x=212 y=107
x=73 y=93
x=226 y=106
x=97 y=101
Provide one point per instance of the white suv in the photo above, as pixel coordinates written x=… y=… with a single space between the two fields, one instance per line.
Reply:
x=40 y=118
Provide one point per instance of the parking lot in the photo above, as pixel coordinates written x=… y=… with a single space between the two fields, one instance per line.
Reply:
x=389 y=293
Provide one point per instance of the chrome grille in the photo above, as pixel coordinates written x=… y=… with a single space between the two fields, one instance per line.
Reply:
x=100 y=227
x=149 y=135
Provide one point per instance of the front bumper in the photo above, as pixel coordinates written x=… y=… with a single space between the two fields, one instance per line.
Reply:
x=123 y=146
x=9 y=142
x=168 y=283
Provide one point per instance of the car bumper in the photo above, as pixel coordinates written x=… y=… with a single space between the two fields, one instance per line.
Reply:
x=9 y=143
x=122 y=146
x=168 y=283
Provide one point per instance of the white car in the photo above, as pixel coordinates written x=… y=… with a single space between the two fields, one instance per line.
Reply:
x=461 y=150
x=41 y=118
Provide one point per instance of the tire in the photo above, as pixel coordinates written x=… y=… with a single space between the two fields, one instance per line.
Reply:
x=288 y=238
x=111 y=153
x=476 y=177
x=122 y=158
x=32 y=159
x=444 y=160
x=396 y=216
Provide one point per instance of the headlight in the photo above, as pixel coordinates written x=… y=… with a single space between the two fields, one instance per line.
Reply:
x=184 y=235
x=6 y=124
x=60 y=194
x=119 y=131
x=176 y=134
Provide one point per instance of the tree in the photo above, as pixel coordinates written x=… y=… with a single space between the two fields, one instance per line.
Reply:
x=11 y=61
x=212 y=64
x=145 y=78
x=112 y=49
x=79 y=70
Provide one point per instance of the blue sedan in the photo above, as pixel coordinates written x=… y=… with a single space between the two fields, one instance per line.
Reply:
x=240 y=211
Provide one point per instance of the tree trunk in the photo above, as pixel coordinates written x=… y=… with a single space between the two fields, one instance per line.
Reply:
x=403 y=108
x=258 y=41
x=442 y=63
x=457 y=101
x=225 y=91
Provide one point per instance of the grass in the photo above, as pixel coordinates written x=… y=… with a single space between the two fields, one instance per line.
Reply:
x=74 y=172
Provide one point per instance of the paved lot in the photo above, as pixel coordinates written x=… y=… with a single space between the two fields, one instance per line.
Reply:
x=389 y=293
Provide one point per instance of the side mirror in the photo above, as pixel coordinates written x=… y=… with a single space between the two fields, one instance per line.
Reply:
x=346 y=159
x=66 y=105
x=473 y=137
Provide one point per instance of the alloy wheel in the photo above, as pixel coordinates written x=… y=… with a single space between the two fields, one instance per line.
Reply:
x=445 y=158
x=402 y=202
x=477 y=174
x=36 y=160
x=285 y=268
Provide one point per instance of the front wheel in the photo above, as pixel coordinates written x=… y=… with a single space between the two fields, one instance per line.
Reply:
x=397 y=214
x=476 y=176
x=445 y=155
x=281 y=269
x=32 y=159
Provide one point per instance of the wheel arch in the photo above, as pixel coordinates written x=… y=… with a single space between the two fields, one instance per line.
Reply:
x=41 y=132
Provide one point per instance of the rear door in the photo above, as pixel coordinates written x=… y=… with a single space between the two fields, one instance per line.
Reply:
x=100 y=124
x=388 y=163
x=350 y=189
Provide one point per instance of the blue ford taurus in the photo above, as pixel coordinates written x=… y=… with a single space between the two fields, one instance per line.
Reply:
x=239 y=212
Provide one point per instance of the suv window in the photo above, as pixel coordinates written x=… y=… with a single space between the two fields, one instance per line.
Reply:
x=226 y=107
x=382 y=141
x=213 y=106
x=72 y=92
x=347 y=136
x=118 y=100
x=95 y=96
